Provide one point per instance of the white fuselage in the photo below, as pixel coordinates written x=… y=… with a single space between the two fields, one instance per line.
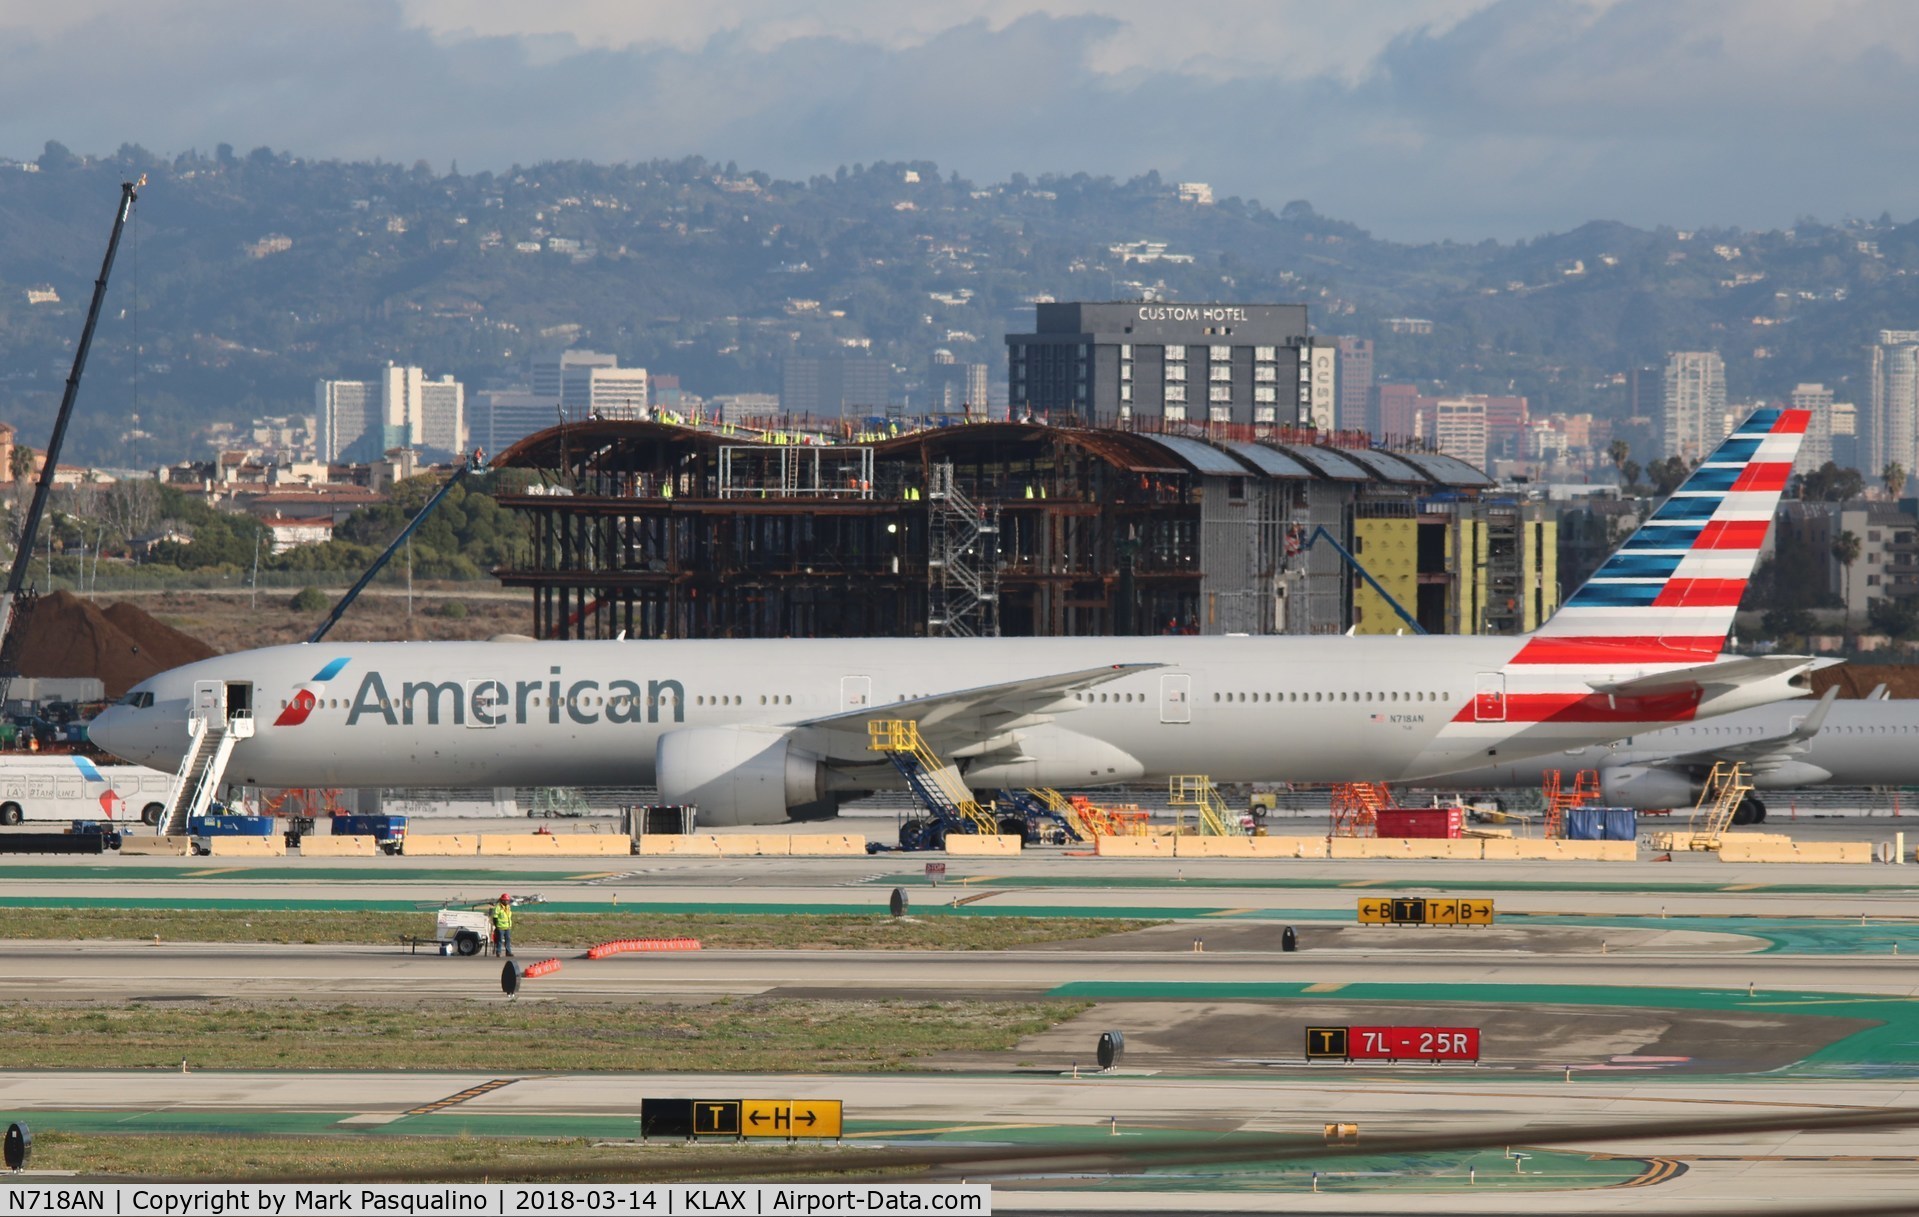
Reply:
x=1862 y=743
x=1321 y=709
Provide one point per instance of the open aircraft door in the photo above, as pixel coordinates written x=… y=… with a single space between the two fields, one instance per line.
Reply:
x=210 y=700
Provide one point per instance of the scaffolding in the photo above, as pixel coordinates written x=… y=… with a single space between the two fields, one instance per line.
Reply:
x=1726 y=788
x=962 y=561
x=1196 y=790
x=762 y=471
x=1356 y=808
x=1559 y=800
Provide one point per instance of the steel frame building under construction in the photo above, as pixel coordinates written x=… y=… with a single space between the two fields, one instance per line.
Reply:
x=657 y=530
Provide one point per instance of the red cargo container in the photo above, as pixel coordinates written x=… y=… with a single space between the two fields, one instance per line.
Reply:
x=1421 y=822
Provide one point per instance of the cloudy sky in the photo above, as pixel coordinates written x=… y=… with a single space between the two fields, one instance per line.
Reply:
x=1418 y=119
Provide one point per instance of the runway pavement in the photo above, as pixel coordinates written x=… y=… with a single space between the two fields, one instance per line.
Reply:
x=1605 y=992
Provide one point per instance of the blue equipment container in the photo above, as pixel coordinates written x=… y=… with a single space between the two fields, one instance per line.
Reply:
x=1601 y=824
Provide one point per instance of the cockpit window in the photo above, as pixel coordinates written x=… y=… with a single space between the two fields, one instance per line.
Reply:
x=138 y=700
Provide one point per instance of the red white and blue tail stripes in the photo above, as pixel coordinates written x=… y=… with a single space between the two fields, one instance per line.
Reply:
x=1668 y=595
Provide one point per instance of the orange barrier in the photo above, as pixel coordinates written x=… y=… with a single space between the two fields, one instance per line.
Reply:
x=620 y=946
x=540 y=969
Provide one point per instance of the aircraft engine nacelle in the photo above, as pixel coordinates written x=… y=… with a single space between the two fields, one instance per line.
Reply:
x=1647 y=787
x=737 y=775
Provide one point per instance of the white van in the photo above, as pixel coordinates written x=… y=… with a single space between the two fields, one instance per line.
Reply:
x=74 y=788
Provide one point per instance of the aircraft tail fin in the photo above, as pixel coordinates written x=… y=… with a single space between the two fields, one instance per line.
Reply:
x=1669 y=593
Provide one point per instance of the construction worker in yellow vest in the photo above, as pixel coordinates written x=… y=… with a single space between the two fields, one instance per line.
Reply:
x=502 y=915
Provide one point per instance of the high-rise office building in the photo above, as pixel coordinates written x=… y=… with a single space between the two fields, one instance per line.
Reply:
x=835 y=385
x=1694 y=403
x=548 y=372
x=953 y=387
x=1241 y=363
x=1816 y=449
x=1459 y=428
x=501 y=418
x=1892 y=416
x=603 y=392
x=1355 y=384
x=345 y=412
x=361 y=419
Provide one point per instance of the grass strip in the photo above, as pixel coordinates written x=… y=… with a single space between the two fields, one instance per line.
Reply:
x=574 y=931
x=199 y=1156
x=729 y=1035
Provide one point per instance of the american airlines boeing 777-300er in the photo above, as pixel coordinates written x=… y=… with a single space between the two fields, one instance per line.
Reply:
x=756 y=732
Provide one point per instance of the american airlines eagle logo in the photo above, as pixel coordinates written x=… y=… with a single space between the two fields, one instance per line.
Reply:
x=306 y=696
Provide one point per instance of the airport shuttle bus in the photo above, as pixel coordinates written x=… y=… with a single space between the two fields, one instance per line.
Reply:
x=74 y=787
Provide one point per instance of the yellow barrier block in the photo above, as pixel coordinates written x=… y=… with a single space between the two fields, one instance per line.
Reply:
x=979 y=845
x=1290 y=847
x=554 y=845
x=754 y=845
x=440 y=845
x=323 y=845
x=1395 y=847
x=1213 y=847
x=1506 y=850
x=814 y=844
x=1134 y=847
x=658 y=846
x=1738 y=849
x=156 y=847
x=274 y=846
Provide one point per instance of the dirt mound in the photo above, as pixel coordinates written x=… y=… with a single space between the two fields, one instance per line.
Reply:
x=66 y=636
x=170 y=647
x=1858 y=679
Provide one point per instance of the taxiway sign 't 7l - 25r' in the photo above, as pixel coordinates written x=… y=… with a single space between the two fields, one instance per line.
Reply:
x=761 y=731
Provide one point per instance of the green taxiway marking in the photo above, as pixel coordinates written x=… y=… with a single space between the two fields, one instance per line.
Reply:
x=1413 y=882
x=1890 y=1049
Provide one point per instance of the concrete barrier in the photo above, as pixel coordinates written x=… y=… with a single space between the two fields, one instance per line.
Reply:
x=1527 y=850
x=704 y=845
x=1213 y=847
x=754 y=844
x=1288 y=847
x=274 y=846
x=825 y=844
x=554 y=845
x=323 y=845
x=980 y=845
x=156 y=847
x=1737 y=849
x=1134 y=847
x=440 y=845
x=1404 y=847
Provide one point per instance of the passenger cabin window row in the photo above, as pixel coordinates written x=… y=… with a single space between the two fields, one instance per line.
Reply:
x=1339 y=695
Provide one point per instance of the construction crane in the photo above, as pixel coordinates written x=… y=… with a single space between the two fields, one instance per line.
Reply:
x=18 y=598
x=1321 y=534
x=472 y=463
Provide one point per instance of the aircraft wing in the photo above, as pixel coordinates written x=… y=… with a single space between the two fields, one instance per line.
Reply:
x=1727 y=673
x=1759 y=752
x=963 y=722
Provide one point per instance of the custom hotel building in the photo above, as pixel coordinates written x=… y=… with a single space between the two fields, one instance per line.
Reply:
x=1237 y=363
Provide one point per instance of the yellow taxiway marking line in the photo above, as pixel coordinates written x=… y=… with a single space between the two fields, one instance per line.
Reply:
x=923 y=1132
x=220 y=870
x=1745 y=887
x=1229 y=912
x=974 y=879
x=1325 y=986
x=601 y=874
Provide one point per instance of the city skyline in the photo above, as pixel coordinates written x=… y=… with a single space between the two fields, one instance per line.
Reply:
x=1430 y=118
